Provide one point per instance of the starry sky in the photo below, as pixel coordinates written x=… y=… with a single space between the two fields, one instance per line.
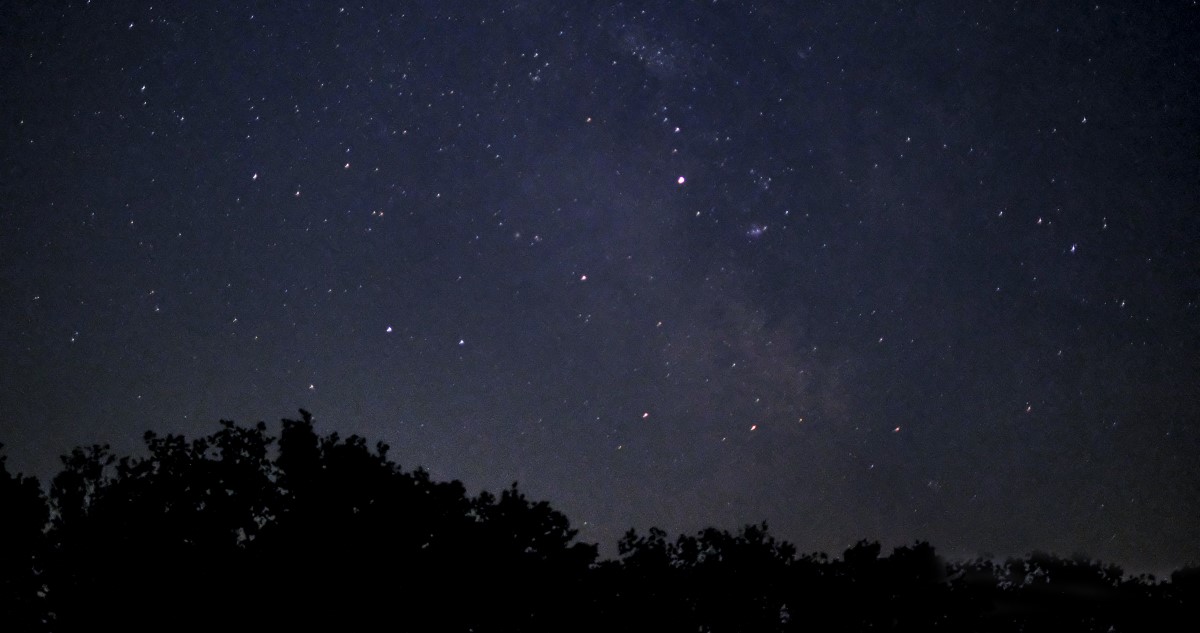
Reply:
x=885 y=270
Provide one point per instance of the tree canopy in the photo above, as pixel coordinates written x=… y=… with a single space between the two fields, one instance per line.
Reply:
x=243 y=530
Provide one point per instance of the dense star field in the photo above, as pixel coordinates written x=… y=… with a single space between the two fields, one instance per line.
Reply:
x=883 y=270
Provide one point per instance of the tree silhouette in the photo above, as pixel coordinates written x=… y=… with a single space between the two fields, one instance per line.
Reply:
x=24 y=514
x=148 y=539
x=239 y=530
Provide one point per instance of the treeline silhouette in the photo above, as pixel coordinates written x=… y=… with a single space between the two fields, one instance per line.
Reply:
x=243 y=531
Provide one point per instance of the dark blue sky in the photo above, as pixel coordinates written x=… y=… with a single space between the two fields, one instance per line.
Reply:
x=896 y=270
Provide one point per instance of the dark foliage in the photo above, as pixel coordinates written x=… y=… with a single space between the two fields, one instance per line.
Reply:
x=23 y=516
x=239 y=531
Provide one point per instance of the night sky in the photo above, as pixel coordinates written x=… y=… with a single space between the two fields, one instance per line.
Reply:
x=884 y=270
